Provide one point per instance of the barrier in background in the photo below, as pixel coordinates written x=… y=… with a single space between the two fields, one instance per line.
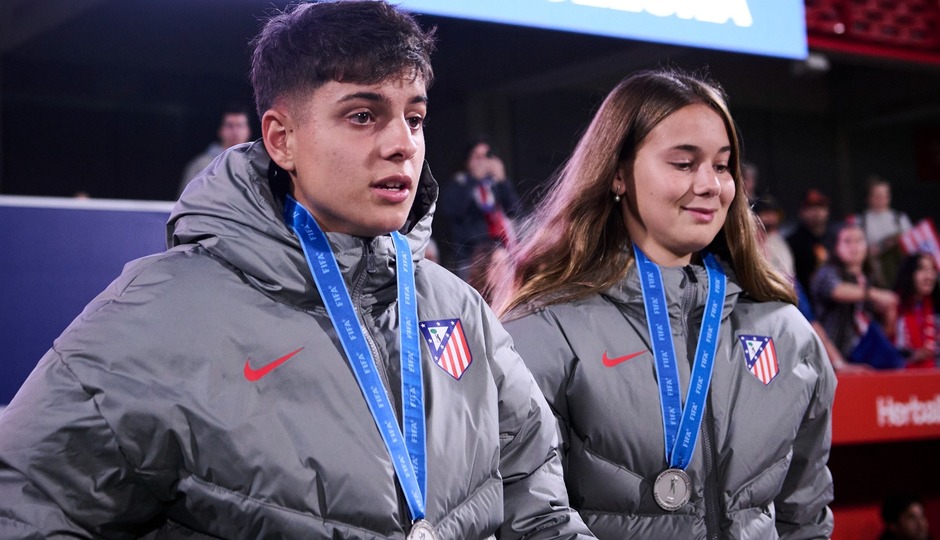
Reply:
x=58 y=254
x=886 y=438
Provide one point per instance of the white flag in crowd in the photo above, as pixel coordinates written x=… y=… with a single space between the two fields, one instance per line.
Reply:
x=922 y=238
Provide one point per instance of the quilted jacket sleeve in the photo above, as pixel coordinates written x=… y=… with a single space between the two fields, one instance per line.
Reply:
x=802 y=506
x=62 y=473
x=536 y=502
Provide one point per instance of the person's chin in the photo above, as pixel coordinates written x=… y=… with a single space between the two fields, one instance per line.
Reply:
x=383 y=227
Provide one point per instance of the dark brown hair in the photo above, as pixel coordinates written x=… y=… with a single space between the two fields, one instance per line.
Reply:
x=364 y=41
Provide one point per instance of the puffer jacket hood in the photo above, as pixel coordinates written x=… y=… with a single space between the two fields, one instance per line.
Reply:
x=234 y=210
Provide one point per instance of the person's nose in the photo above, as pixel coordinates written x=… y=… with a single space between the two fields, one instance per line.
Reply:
x=400 y=141
x=706 y=182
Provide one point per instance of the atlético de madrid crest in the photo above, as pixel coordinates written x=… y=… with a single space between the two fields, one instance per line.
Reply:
x=448 y=345
x=760 y=355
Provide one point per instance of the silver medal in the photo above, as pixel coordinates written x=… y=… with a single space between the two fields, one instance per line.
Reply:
x=421 y=530
x=672 y=489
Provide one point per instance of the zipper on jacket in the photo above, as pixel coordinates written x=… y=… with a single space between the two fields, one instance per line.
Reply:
x=710 y=489
x=368 y=253
x=370 y=256
x=712 y=506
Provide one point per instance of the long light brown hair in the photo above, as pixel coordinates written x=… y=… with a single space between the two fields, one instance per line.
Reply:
x=576 y=243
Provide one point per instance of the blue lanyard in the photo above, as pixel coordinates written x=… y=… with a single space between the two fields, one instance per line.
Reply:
x=681 y=426
x=406 y=450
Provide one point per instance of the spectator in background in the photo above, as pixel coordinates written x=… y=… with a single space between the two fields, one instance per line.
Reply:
x=779 y=255
x=488 y=258
x=904 y=518
x=917 y=290
x=807 y=241
x=233 y=129
x=882 y=226
x=431 y=252
x=749 y=177
x=844 y=299
x=477 y=205
x=775 y=246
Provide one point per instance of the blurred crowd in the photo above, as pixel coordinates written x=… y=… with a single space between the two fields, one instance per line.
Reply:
x=867 y=282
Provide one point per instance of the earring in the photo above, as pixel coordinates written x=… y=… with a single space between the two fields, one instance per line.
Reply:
x=616 y=197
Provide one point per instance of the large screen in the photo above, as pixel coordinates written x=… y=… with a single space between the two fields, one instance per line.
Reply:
x=765 y=27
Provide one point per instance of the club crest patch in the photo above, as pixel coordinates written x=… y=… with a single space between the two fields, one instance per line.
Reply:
x=448 y=345
x=760 y=355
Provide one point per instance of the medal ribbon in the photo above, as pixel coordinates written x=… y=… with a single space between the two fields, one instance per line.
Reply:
x=681 y=426
x=408 y=450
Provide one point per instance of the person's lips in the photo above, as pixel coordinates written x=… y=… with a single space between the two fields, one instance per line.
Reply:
x=705 y=215
x=393 y=188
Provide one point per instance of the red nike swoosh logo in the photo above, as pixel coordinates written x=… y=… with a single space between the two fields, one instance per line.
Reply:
x=611 y=362
x=256 y=374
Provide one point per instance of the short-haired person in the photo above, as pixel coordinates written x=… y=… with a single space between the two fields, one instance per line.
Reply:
x=693 y=398
x=904 y=518
x=807 y=240
x=234 y=128
x=292 y=367
x=883 y=226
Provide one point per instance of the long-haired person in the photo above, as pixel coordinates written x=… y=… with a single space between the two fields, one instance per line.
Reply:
x=693 y=398
x=919 y=300
x=845 y=299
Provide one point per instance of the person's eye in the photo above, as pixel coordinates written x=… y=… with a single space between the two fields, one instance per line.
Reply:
x=721 y=168
x=416 y=122
x=362 y=118
x=682 y=165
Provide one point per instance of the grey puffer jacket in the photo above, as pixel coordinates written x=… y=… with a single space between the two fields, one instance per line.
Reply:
x=204 y=395
x=759 y=468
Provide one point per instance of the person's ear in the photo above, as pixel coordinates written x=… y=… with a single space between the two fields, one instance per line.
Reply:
x=277 y=132
x=619 y=186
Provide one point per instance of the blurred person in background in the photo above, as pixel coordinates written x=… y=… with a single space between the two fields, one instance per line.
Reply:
x=234 y=128
x=485 y=269
x=775 y=246
x=882 y=226
x=778 y=254
x=807 y=240
x=750 y=177
x=919 y=300
x=904 y=518
x=844 y=298
x=477 y=205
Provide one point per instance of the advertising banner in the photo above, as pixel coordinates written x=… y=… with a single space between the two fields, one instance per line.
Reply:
x=887 y=406
x=763 y=27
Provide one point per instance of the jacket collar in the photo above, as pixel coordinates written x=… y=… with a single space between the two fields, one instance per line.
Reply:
x=676 y=281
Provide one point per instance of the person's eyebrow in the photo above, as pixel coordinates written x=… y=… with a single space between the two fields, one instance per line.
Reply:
x=692 y=148
x=377 y=97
